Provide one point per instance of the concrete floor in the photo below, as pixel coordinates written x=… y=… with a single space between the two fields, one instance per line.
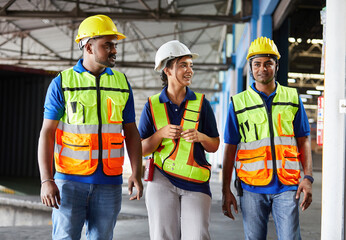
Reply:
x=132 y=223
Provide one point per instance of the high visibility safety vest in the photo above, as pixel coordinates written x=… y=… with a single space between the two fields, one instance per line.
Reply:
x=267 y=142
x=90 y=132
x=175 y=157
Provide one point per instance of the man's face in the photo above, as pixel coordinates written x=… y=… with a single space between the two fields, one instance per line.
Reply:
x=263 y=69
x=104 y=50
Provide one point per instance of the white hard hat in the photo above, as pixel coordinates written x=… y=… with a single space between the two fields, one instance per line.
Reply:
x=170 y=50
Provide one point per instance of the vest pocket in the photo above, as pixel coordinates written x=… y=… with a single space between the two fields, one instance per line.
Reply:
x=252 y=127
x=290 y=167
x=115 y=106
x=285 y=124
x=252 y=164
x=115 y=160
x=75 y=156
x=80 y=109
x=75 y=112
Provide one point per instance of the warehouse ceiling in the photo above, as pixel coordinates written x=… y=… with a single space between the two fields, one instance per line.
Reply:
x=40 y=34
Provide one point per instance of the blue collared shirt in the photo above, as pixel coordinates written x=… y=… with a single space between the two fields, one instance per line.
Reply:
x=232 y=136
x=54 y=109
x=207 y=125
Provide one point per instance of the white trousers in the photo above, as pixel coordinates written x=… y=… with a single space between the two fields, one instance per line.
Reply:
x=175 y=213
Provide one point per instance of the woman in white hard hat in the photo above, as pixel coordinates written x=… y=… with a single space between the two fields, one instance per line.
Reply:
x=177 y=126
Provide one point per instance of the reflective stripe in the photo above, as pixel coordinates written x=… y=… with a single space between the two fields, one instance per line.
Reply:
x=254 y=166
x=89 y=129
x=289 y=141
x=290 y=165
x=254 y=145
x=84 y=155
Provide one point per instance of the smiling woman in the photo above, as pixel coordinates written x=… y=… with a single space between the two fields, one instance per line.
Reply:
x=177 y=126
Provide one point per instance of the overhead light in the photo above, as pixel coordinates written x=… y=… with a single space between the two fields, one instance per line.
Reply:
x=291 y=80
x=311 y=120
x=306 y=75
x=299 y=40
x=320 y=88
x=303 y=99
x=305 y=96
x=313 y=92
x=315 y=41
x=308 y=41
x=309 y=106
x=291 y=39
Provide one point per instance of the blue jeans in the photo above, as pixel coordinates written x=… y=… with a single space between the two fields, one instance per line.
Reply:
x=96 y=205
x=256 y=208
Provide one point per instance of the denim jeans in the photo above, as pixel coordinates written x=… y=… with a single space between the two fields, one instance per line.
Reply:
x=256 y=208
x=96 y=205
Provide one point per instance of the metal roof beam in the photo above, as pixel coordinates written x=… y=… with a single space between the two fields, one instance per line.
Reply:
x=123 y=64
x=147 y=16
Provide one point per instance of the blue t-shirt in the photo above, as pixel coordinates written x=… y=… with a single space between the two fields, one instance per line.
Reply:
x=207 y=125
x=54 y=109
x=232 y=136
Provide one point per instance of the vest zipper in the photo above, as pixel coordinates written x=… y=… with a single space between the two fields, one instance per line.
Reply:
x=271 y=132
x=99 y=118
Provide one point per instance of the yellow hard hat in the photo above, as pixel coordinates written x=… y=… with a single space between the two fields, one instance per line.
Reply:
x=263 y=45
x=98 y=25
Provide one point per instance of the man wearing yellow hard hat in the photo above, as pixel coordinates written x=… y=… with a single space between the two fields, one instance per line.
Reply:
x=266 y=140
x=87 y=109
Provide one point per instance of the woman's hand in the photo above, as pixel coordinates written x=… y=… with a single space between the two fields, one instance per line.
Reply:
x=192 y=135
x=171 y=131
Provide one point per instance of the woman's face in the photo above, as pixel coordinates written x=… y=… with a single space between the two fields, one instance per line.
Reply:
x=181 y=72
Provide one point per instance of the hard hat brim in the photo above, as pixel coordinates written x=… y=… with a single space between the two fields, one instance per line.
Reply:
x=163 y=63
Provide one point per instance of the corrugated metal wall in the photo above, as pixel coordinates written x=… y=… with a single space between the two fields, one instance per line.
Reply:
x=21 y=105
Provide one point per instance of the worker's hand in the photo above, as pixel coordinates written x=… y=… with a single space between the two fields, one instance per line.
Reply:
x=50 y=195
x=192 y=135
x=137 y=183
x=305 y=186
x=171 y=131
x=228 y=199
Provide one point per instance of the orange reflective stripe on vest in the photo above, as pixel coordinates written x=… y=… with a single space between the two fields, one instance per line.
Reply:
x=175 y=157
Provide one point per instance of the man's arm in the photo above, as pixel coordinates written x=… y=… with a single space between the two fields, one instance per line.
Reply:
x=306 y=160
x=228 y=198
x=49 y=192
x=134 y=150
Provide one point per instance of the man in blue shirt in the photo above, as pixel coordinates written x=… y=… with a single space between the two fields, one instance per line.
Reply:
x=86 y=110
x=266 y=136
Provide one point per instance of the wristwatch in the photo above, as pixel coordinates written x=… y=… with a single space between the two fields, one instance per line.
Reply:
x=310 y=178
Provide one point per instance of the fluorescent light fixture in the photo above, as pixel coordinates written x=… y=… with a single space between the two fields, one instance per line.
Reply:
x=315 y=41
x=309 y=106
x=320 y=88
x=291 y=39
x=291 y=80
x=305 y=96
x=306 y=75
x=313 y=92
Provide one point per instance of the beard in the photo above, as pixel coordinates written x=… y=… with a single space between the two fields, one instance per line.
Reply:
x=109 y=62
